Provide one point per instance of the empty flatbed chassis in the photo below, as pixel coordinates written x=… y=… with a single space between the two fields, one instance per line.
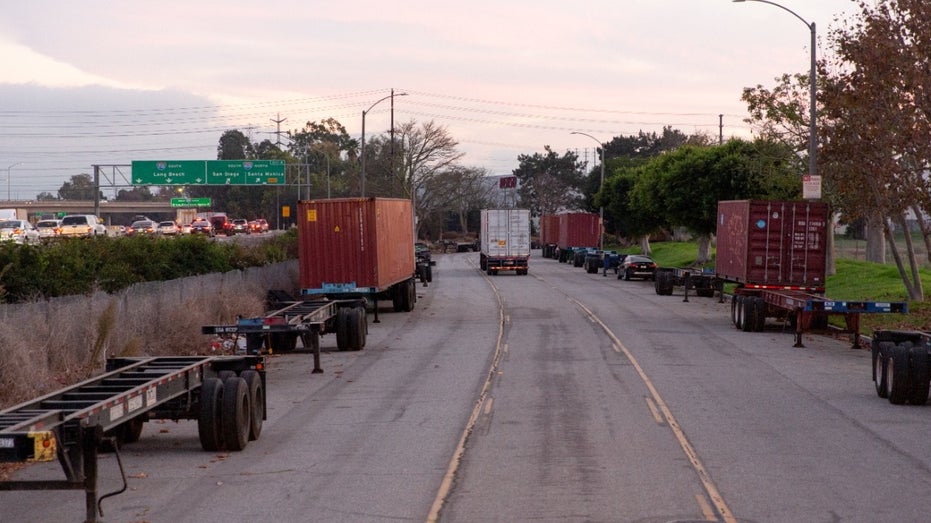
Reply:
x=72 y=424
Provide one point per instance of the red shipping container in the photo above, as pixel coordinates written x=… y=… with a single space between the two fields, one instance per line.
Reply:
x=772 y=244
x=579 y=229
x=549 y=229
x=354 y=245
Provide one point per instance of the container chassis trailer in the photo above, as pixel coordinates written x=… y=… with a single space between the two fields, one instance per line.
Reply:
x=702 y=281
x=279 y=330
x=804 y=310
x=225 y=394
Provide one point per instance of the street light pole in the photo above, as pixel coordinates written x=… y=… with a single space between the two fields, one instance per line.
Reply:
x=9 y=181
x=601 y=209
x=813 y=112
x=362 y=175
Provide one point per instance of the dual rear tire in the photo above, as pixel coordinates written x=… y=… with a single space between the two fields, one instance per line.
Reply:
x=232 y=410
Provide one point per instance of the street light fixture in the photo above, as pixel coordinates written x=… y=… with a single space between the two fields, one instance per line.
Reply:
x=813 y=125
x=601 y=209
x=9 y=181
x=392 y=95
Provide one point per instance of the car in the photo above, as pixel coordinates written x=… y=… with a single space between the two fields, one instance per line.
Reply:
x=167 y=228
x=18 y=231
x=202 y=226
x=141 y=228
x=261 y=224
x=637 y=266
x=48 y=228
x=221 y=224
x=240 y=226
x=82 y=226
x=185 y=228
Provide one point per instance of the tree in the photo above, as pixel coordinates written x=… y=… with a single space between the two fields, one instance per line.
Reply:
x=46 y=196
x=549 y=182
x=80 y=187
x=878 y=96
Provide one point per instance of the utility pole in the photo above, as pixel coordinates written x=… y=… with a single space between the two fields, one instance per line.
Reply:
x=278 y=131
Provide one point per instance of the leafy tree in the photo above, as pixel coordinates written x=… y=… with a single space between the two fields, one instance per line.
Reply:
x=46 y=196
x=549 y=182
x=79 y=187
x=877 y=95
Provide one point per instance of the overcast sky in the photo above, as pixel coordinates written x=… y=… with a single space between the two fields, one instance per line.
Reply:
x=107 y=82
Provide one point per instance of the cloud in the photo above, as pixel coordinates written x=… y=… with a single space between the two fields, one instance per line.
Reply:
x=22 y=65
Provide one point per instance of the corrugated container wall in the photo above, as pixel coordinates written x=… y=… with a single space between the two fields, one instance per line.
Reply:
x=505 y=232
x=354 y=244
x=772 y=243
x=549 y=229
x=579 y=229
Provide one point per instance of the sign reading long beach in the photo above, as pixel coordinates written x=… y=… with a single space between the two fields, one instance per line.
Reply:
x=209 y=172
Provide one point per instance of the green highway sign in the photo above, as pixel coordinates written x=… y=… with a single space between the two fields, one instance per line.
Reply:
x=190 y=202
x=245 y=172
x=181 y=172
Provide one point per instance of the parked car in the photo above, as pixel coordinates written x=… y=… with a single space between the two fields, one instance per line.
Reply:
x=18 y=231
x=637 y=266
x=48 y=228
x=202 y=226
x=240 y=226
x=82 y=226
x=168 y=228
x=142 y=227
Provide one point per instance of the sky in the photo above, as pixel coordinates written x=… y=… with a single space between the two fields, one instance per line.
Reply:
x=103 y=82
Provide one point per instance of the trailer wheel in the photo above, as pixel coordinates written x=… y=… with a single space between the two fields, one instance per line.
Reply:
x=758 y=318
x=746 y=306
x=919 y=375
x=224 y=375
x=208 y=419
x=235 y=415
x=257 y=401
x=132 y=429
x=879 y=352
x=734 y=310
x=355 y=331
x=897 y=375
x=429 y=274
x=342 y=328
x=705 y=292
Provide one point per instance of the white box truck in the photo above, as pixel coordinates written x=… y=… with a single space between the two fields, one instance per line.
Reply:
x=505 y=240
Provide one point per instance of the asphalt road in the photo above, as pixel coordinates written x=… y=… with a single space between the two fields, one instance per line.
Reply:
x=557 y=396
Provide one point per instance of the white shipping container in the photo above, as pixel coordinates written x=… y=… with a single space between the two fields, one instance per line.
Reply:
x=505 y=233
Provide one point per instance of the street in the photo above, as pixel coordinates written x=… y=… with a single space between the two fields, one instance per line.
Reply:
x=556 y=396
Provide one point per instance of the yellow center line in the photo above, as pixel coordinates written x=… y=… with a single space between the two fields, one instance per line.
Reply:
x=707 y=483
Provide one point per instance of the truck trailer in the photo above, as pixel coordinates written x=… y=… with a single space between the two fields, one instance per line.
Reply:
x=358 y=247
x=577 y=231
x=505 y=241
x=776 y=254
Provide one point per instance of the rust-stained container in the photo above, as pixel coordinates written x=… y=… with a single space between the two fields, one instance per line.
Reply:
x=772 y=244
x=579 y=229
x=549 y=229
x=354 y=245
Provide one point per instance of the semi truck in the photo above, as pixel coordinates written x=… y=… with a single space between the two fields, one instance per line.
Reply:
x=505 y=241
x=358 y=248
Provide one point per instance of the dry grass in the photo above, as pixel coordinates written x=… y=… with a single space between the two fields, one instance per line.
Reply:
x=48 y=344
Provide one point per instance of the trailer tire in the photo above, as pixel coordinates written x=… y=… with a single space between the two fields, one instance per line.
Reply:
x=257 y=402
x=705 y=292
x=745 y=306
x=734 y=310
x=879 y=352
x=429 y=271
x=342 y=328
x=897 y=375
x=758 y=318
x=236 y=414
x=355 y=328
x=919 y=375
x=208 y=418
x=224 y=375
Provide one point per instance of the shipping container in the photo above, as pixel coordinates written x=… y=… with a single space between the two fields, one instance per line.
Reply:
x=772 y=244
x=504 y=240
x=579 y=229
x=357 y=246
x=549 y=234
